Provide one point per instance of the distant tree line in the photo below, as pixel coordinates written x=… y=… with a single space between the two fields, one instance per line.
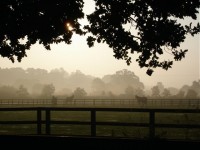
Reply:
x=124 y=84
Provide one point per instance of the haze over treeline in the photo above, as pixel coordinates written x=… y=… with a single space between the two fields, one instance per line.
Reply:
x=40 y=83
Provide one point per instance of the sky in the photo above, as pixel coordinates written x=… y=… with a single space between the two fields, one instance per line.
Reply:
x=99 y=60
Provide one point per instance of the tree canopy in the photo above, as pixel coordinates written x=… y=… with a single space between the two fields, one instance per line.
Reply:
x=156 y=25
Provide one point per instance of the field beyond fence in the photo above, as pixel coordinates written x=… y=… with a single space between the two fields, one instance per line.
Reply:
x=138 y=123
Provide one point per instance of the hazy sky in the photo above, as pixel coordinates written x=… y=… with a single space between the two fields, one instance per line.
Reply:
x=99 y=60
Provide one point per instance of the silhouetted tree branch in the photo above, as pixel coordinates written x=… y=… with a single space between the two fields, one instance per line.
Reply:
x=36 y=20
x=155 y=22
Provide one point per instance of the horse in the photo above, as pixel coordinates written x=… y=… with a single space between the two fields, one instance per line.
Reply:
x=141 y=100
x=69 y=99
x=54 y=100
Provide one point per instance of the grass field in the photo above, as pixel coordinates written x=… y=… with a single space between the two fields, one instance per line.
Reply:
x=102 y=130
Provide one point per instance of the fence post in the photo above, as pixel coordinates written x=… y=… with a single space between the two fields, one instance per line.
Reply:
x=152 y=125
x=93 y=123
x=93 y=102
x=48 y=131
x=39 y=122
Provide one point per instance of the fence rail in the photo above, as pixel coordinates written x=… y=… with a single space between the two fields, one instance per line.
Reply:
x=47 y=120
x=157 y=103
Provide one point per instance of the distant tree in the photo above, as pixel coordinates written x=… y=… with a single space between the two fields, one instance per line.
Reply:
x=79 y=79
x=8 y=92
x=37 y=73
x=79 y=93
x=166 y=93
x=65 y=92
x=173 y=90
x=98 y=86
x=8 y=76
x=110 y=94
x=56 y=21
x=37 y=89
x=185 y=88
x=119 y=81
x=139 y=92
x=160 y=86
x=155 y=91
x=22 y=92
x=191 y=94
x=180 y=95
x=57 y=77
x=196 y=87
x=48 y=91
x=130 y=92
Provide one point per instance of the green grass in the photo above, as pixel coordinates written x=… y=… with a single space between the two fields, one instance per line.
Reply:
x=18 y=115
x=101 y=130
x=19 y=129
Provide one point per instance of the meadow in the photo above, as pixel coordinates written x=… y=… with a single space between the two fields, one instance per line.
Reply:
x=103 y=130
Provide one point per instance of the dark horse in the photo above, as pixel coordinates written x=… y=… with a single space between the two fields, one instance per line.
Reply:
x=69 y=99
x=54 y=100
x=141 y=100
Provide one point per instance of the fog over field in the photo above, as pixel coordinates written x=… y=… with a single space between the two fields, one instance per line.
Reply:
x=40 y=83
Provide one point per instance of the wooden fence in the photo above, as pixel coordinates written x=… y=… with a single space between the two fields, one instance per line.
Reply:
x=151 y=103
x=93 y=123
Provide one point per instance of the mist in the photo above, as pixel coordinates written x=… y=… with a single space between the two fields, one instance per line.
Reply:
x=123 y=84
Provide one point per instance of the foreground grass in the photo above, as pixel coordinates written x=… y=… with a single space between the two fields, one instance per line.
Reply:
x=111 y=131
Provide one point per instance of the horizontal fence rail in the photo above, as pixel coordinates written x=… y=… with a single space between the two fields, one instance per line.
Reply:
x=93 y=123
x=175 y=103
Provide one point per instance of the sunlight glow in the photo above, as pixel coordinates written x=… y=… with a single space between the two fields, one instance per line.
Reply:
x=69 y=27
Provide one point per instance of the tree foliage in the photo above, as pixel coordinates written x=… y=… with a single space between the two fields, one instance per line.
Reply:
x=121 y=80
x=22 y=92
x=156 y=24
x=155 y=91
x=79 y=92
x=48 y=91
x=98 y=85
x=36 y=20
